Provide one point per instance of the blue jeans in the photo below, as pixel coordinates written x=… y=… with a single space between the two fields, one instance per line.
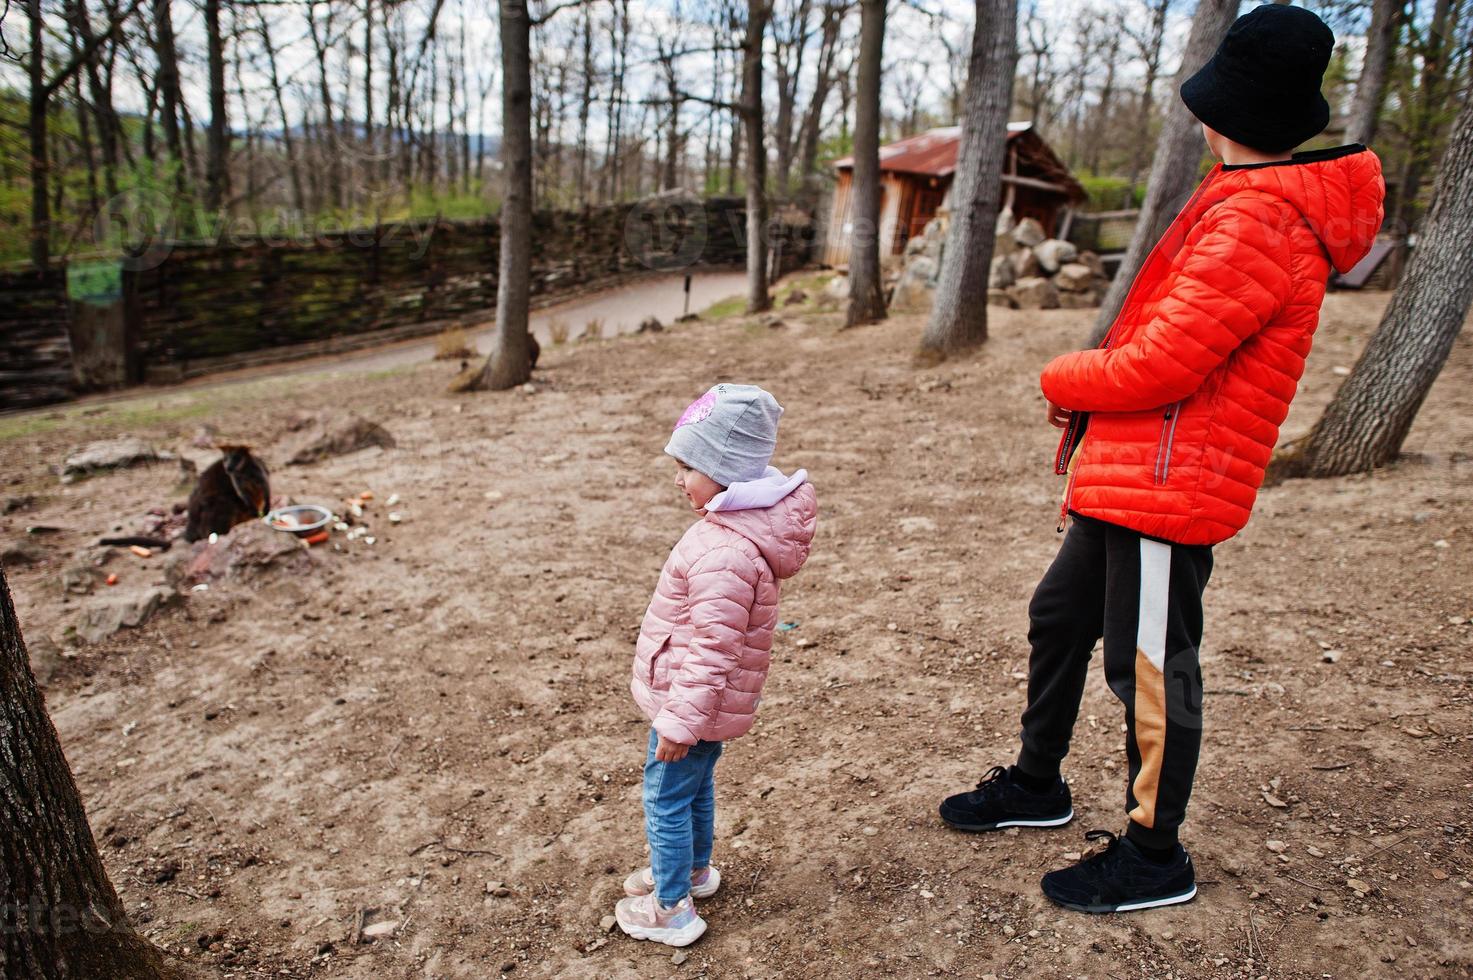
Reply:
x=679 y=816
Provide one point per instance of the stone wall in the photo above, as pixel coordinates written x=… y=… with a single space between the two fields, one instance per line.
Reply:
x=207 y=307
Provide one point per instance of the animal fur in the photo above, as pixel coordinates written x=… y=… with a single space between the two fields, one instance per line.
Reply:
x=234 y=489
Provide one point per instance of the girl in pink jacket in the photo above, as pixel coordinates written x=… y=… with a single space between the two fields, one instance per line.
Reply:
x=705 y=642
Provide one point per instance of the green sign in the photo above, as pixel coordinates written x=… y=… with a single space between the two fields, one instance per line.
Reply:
x=97 y=282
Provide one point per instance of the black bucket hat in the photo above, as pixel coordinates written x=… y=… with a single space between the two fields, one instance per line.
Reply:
x=1262 y=86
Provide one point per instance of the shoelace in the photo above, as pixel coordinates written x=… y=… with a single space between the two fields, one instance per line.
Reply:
x=991 y=776
x=1106 y=835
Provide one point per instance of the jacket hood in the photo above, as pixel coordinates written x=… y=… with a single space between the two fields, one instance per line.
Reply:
x=1339 y=192
x=783 y=532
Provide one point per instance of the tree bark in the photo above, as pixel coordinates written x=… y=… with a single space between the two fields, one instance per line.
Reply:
x=170 y=100
x=758 y=298
x=1370 y=90
x=40 y=170
x=294 y=170
x=959 y=316
x=866 y=290
x=510 y=362
x=1368 y=420
x=61 y=917
x=217 y=157
x=1174 y=169
x=833 y=17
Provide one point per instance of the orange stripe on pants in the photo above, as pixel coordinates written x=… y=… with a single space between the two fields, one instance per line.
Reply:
x=1150 y=737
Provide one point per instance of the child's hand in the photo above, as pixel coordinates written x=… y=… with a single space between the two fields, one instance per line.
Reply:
x=1058 y=417
x=668 y=751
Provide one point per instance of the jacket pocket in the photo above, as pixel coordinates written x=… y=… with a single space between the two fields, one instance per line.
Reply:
x=651 y=648
x=1169 y=419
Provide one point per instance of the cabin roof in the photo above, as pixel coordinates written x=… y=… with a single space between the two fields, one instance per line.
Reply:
x=934 y=154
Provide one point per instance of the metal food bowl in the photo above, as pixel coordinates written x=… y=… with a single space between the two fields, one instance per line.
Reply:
x=303 y=520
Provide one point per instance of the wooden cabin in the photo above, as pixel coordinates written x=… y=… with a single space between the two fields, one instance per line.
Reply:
x=916 y=173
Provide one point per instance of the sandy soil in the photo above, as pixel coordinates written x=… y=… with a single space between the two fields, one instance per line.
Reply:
x=391 y=730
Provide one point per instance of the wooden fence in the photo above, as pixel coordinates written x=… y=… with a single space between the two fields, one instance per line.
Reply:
x=208 y=306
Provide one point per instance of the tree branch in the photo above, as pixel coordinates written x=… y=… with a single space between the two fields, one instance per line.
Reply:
x=85 y=54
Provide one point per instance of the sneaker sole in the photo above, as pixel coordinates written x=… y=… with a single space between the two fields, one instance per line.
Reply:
x=1149 y=903
x=670 y=937
x=978 y=828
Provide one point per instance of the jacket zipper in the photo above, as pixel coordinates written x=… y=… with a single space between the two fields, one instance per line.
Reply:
x=1061 y=461
x=1163 y=445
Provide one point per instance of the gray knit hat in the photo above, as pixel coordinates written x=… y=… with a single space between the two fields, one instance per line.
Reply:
x=728 y=433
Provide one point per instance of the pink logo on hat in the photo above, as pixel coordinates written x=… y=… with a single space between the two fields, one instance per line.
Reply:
x=698 y=410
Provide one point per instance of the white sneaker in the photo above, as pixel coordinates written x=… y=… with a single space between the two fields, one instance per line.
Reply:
x=643 y=917
x=703 y=883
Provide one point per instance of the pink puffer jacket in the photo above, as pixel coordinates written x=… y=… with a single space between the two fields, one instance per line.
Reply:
x=705 y=642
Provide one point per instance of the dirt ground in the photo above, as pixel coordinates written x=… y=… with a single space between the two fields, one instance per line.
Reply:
x=435 y=731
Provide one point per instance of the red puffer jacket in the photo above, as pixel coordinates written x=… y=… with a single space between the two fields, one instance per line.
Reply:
x=1184 y=399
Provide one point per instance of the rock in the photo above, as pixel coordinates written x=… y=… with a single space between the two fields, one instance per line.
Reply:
x=1093 y=261
x=380 y=930
x=112 y=615
x=109 y=454
x=837 y=288
x=1025 y=264
x=916 y=288
x=205 y=437
x=679 y=957
x=915 y=246
x=21 y=552
x=13 y=504
x=1277 y=846
x=1358 y=886
x=607 y=923
x=773 y=322
x=247 y=550
x=46 y=657
x=85 y=570
x=1000 y=297
x=1053 y=253
x=1034 y=293
x=796 y=298
x=1028 y=233
x=1078 y=301
x=650 y=324
x=1074 y=277
x=337 y=440
x=1001 y=275
x=1005 y=221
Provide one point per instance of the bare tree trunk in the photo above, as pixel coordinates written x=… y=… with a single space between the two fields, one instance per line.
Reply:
x=866 y=290
x=67 y=920
x=1426 y=116
x=1370 y=90
x=510 y=363
x=1365 y=425
x=1150 y=44
x=1174 y=169
x=168 y=84
x=294 y=169
x=331 y=142
x=833 y=18
x=370 y=143
x=108 y=126
x=584 y=103
x=217 y=158
x=758 y=298
x=40 y=171
x=959 y=316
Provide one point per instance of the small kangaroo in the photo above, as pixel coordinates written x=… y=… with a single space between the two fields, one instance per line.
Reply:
x=232 y=490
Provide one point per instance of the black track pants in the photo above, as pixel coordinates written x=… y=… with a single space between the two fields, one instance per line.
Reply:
x=1145 y=598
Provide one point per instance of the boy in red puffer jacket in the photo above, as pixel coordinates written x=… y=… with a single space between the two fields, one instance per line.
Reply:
x=1167 y=429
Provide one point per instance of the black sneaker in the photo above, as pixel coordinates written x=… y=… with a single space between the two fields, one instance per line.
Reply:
x=1000 y=801
x=1121 y=879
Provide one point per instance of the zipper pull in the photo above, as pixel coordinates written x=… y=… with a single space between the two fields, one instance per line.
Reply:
x=1063 y=516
